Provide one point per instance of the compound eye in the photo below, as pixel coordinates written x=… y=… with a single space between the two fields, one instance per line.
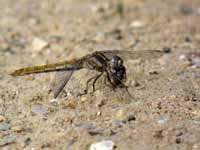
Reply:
x=114 y=62
x=120 y=62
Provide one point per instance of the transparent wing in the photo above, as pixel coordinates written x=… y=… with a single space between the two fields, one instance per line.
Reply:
x=128 y=54
x=60 y=80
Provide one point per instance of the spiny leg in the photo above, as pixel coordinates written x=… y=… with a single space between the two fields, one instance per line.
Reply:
x=109 y=80
x=95 y=80
x=88 y=81
x=87 y=85
x=126 y=88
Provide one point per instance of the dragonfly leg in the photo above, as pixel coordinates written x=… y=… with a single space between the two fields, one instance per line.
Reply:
x=126 y=88
x=109 y=80
x=88 y=81
x=95 y=80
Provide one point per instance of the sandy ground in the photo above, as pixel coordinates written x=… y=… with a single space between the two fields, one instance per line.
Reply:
x=164 y=112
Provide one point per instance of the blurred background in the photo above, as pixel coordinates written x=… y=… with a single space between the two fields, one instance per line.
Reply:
x=74 y=27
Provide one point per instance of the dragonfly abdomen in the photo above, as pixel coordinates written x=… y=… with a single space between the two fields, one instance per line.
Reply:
x=61 y=66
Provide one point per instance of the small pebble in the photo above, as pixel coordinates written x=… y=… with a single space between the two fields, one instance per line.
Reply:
x=86 y=126
x=173 y=97
x=2 y=118
x=103 y=145
x=101 y=103
x=188 y=39
x=4 y=46
x=196 y=60
x=167 y=49
x=137 y=24
x=194 y=66
x=179 y=134
x=29 y=78
x=117 y=34
x=95 y=132
x=45 y=145
x=98 y=113
x=158 y=134
x=68 y=119
x=7 y=140
x=131 y=117
x=187 y=10
x=123 y=117
x=17 y=129
x=193 y=58
x=83 y=98
x=153 y=72
x=196 y=121
x=135 y=83
x=38 y=44
x=100 y=37
x=27 y=141
x=196 y=146
x=183 y=57
x=162 y=121
x=71 y=105
x=39 y=110
x=178 y=140
x=118 y=123
x=196 y=112
x=4 y=126
x=54 y=39
x=100 y=8
x=121 y=114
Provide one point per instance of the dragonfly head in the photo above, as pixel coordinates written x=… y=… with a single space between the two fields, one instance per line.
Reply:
x=116 y=62
x=118 y=71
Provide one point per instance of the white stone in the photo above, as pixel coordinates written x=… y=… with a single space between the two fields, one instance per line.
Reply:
x=102 y=145
x=38 y=44
x=182 y=57
x=137 y=24
x=162 y=120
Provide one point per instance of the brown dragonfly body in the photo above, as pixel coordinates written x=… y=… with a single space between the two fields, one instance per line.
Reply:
x=108 y=62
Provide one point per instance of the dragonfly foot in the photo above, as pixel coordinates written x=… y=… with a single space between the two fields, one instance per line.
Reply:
x=82 y=93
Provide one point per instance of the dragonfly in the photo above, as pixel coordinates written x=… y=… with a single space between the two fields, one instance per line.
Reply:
x=108 y=62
